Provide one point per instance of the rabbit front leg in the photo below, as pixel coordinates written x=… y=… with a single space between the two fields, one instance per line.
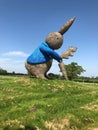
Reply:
x=63 y=70
x=65 y=55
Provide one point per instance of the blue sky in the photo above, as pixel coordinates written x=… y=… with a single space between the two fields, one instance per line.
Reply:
x=24 y=24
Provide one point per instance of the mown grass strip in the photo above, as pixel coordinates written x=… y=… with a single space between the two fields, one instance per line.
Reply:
x=28 y=103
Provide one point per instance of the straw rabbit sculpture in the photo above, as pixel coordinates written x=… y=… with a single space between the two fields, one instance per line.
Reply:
x=40 y=61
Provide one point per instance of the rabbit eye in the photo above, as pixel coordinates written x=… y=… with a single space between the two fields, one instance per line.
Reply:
x=57 y=38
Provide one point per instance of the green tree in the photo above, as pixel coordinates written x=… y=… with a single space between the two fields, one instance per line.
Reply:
x=13 y=73
x=2 y=71
x=73 y=70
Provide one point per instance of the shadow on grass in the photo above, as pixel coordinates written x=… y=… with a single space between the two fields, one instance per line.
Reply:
x=27 y=127
x=30 y=128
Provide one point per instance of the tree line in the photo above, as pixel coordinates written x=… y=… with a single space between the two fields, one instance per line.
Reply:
x=4 y=72
x=74 y=72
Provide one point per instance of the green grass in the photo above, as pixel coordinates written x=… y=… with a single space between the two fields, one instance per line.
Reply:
x=36 y=104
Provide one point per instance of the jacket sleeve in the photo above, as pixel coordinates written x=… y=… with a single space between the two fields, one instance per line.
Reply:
x=50 y=52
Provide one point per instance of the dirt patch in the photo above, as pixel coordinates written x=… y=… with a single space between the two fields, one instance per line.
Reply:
x=93 y=106
x=23 y=79
x=93 y=129
x=58 y=125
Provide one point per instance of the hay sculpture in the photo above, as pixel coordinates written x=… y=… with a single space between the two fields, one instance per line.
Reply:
x=40 y=61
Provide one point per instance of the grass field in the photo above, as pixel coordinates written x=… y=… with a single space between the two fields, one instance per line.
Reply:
x=35 y=104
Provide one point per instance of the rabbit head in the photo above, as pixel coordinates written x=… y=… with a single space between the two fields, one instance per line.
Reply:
x=55 y=39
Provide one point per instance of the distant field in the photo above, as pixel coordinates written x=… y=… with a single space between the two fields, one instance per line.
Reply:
x=35 y=104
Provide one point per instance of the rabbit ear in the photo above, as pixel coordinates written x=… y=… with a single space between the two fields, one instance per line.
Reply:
x=66 y=26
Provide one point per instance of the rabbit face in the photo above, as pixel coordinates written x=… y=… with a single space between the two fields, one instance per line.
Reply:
x=54 y=40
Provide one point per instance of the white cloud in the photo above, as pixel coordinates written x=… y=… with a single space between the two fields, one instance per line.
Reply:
x=3 y=60
x=13 y=65
x=13 y=61
x=16 y=53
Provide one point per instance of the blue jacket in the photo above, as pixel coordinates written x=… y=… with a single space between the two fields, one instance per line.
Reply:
x=43 y=54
